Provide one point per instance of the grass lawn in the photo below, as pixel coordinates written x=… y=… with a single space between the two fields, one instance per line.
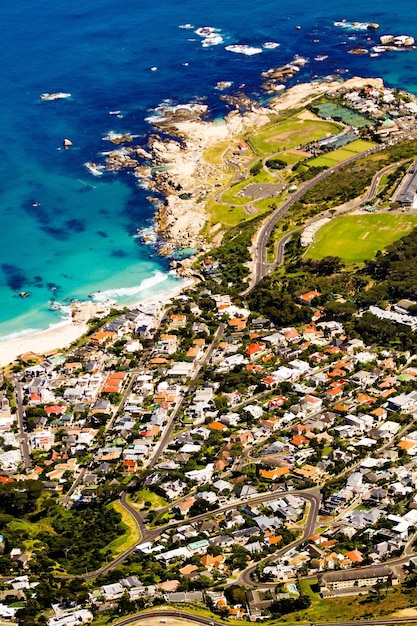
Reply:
x=382 y=183
x=290 y=158
x=225 y=214
x=291 y=133
x=341 y=154
x=360 y=145
x=232 y=196
x=350 y=607
x=215 y=153
x=145 y=495
x=356 y=238
x=326 y=450
x=130 y=536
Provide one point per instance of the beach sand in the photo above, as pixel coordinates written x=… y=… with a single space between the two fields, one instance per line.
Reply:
x=60 y=336
x=63 y=335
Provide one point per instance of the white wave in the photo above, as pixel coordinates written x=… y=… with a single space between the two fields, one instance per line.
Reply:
x=94 y=169
x=121 y=151
x=125 y=292
x=168 y=107
x=186 y=26
x=270 y=45
x=112 y=136
x=352 y=25
x=59 y=95
x=299 y=60
x=213 y=40
x=243 y=49
x=34 y=331
x=21 y=333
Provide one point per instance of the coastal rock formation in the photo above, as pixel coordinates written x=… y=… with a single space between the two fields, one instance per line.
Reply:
x=181 y=221
x=400 y=41
x=173 y=164
x=300 y=95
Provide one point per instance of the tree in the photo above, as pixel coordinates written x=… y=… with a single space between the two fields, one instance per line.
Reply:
x=125 y=605
x=235 y=594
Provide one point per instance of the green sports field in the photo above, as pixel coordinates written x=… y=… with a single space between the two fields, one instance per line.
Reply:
x=290 y=133
x=356 y=238
x=341 y=154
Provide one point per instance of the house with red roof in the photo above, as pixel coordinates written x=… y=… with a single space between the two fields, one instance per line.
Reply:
x=273 y=474
x=6 y=479
x=291 y=334
x=299 y=441
x=355 y=556
x=237 y=324
x=55 y=409
x=114 y=382
x=255 y=350
x=130 y=466
x=277 y=402
x=307 y=298
x=185 y=506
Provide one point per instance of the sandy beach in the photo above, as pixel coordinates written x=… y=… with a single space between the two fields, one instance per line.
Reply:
x=64 y=334
x=60 y=336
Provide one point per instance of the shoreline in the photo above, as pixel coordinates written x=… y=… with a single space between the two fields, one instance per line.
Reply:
x=181 y=219
x=63 y=335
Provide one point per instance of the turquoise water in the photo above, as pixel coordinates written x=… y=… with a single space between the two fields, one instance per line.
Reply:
x=67 y=234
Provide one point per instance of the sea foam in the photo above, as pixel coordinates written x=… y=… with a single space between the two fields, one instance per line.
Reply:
x=126 y=292
x=243 y=49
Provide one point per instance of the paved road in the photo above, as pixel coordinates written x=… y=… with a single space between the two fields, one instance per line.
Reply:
x=312 y=496
x=261 y=267
x=171 y=423
x=199 y=619
x=279 y=259
x=23 y=436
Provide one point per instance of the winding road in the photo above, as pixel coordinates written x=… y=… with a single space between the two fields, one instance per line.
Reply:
x=260 y=266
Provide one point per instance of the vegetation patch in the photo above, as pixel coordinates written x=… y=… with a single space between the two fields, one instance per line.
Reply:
x=351 y=607
x=131 y=535
x=357 y=238
x=145 y=498
x=291 y=133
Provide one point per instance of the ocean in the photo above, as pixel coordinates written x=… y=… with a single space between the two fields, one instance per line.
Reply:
x=66 y=234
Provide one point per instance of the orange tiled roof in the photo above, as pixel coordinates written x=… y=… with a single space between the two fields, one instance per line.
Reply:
x=299 y=440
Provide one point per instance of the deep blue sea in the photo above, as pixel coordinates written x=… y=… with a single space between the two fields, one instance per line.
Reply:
x=65 y=233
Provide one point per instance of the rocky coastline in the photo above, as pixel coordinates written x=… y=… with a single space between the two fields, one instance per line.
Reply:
x=172 y=164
